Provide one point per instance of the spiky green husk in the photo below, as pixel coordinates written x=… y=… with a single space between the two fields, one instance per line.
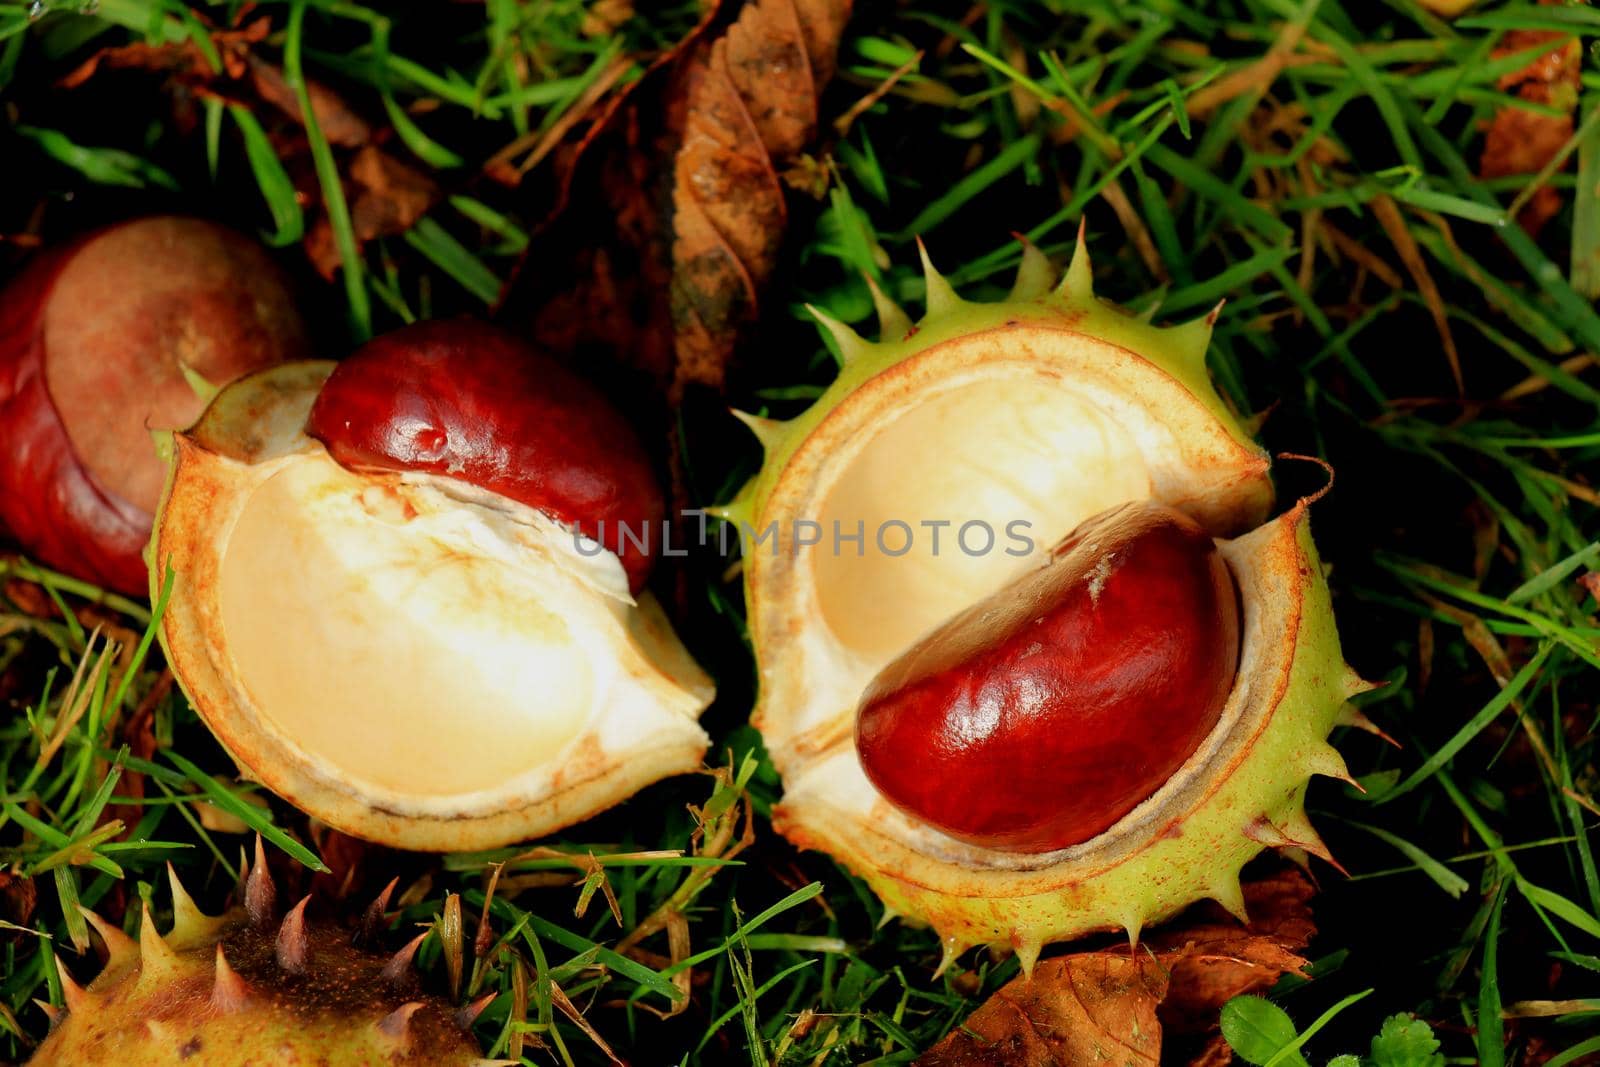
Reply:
x=1242 y=791
x=251 y=987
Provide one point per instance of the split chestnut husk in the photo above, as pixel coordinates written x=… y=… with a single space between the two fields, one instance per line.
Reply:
x=425 y=647
x=1013 y=746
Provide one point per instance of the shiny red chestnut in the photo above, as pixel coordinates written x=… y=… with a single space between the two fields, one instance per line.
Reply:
x=464 y=399
x=1040 y=716
x=127 y=330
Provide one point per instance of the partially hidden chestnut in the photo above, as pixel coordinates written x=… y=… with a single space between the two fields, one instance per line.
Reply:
x=127 y=330
x=461 y=398
x=1040 y=716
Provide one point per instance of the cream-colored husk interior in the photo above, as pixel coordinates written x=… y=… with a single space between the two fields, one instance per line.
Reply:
x=424 y=642
x=363 y=630
x=957 y=497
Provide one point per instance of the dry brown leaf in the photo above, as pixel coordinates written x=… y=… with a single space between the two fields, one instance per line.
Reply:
x=1214 y=959
x=1215 y=1053
x=394 y=195
x=1093 y=1007
x=689 y=168
x=1590 y=582
x=1540 y=1045
x=338 y=122
x=750 y=112
x=235 y=47
x=1519 y=141
x=598 y=293
x=1112 y=1007
x=184 y=58
x=388 y=198
x=19 y=897
x=348 y=860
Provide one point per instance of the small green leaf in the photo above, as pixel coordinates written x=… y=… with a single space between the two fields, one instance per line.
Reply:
x=1258 y=1030
x=1443 y=877
x=421 y=145
x=1406 y=1041
x=454 y=258
x=1346 y=1060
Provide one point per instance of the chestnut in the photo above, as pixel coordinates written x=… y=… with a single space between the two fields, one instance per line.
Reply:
x=1042 y=714
x=124 y=331
x=464 y=399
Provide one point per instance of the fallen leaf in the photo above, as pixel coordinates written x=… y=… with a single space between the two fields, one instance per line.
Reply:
x=338 y=121
x=1520 y=141
x=1215 y=1053
x=30 y=598
x=603 y=17
x=389 y=196
x=348 y=860
x=1590 y=583
x=1093 y=1007
x=183 y=58
x=1214 y=959
x=688 y=164
x=1110 y=1007
x=394 y=195
x=19 y=897
x=593 y=293
x=751 y=112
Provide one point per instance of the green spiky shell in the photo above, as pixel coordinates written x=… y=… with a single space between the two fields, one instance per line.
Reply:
x=251 y=988
x=1242 y=791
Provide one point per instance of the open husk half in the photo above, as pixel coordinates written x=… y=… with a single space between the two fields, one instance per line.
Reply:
x=409 y=658
x=1045 y=408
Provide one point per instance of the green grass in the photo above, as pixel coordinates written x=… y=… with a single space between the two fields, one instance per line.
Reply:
x=1458 y=526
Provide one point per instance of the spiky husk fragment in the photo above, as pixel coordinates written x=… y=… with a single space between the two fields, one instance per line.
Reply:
x=1243 y=790
x=253 y=986
x=639 y=727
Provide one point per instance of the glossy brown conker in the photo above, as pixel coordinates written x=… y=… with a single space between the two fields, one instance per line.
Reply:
x=1041 y=715
x=461 y=398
